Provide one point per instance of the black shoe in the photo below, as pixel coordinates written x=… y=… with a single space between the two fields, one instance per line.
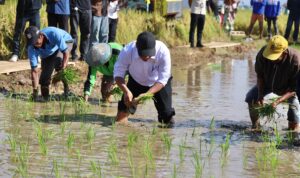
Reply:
x=199 y=45
x=192 y=45
x=74 y=58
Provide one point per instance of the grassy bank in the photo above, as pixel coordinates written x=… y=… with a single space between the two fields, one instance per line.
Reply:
x=131 y=23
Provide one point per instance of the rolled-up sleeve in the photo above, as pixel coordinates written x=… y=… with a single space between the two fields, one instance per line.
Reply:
x=164 y=69
x=33 y=57
x=122 y=63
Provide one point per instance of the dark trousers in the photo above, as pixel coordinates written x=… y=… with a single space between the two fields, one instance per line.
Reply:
x=58 y=20
x=162 y=99
x=49 y=64
x=294 y=17
x=113 y=23
x=269 y=22
x=197 y=20
x=83 y=20
x=34 y=20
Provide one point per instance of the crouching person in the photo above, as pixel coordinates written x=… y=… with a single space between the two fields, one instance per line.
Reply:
x=276 y=67
x=101 y=58
x=52 y=45
x=148 y=63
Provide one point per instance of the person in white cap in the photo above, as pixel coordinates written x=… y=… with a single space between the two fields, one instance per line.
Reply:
x=277 y=67
x=148 y=63
x=101 y=58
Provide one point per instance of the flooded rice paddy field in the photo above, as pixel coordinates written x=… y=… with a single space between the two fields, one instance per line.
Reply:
x=211 y=137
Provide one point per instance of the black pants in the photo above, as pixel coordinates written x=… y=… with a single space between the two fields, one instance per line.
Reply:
x=49 y=64
x=113 y=23
x=58 y=20
x=269 y=22
x=162 y=99
x=294 y=17
x=82 y=19
x=197 y=20
x=34 y=20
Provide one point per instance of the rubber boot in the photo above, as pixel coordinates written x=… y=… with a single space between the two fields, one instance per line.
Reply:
x=254 y=117
x=45 y=92
x=294 y=126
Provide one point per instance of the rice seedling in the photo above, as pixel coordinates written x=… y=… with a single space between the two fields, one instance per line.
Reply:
x=198 y=165
x=130 y=161
x=146 y=170
x=96 y=168
x=131 y=139
x=211 y=146
x=245 y=160
x=154 y=129
x=278 y=138
x=194 y=132
x=12 y=142
x=148 y=152
x=174 y=175
x=117 y=93
x=70 y=140
x=56 y=169
x=90 y=135
x=41 y=138
x=62 y=128
x=68 y=75
x=225 y=149
x=182 y=147
x=112 y=153
x=212 y=124
x=23 y=155
x=290 y=138
x=167 y=140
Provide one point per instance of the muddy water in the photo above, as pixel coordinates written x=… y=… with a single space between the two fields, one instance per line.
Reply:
x=208 y=99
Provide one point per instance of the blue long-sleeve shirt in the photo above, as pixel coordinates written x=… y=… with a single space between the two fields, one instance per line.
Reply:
x=58 y=7
x=258 y=6
x=272 y=8
x=57 y=39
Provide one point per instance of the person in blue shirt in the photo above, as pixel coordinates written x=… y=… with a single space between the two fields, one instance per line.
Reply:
x=27 y=11
x=257 y=14
x=272 y=11
x=53 y=45
x=58 y=13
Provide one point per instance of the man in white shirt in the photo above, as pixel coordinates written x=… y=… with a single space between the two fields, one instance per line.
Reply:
x=148 y=63
x=198 y=11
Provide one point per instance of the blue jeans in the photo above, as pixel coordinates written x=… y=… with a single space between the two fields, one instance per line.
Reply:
x=294 y=106
x=34 y=20
x=99 y=30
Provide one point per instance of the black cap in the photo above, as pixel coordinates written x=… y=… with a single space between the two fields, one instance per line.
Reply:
x=32 y=34
x=145 y=44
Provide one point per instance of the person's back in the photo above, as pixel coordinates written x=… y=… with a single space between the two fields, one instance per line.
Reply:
x=258 y=6
x=58 y=14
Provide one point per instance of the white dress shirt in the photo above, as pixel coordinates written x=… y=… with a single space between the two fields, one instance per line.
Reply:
x=198 y=7
x=146 y=73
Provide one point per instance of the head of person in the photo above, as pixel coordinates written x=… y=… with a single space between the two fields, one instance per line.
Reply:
x=276 y=48
x=34 y=37
x=99 y=54
x=145 y=45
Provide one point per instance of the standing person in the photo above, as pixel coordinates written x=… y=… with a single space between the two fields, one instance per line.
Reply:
x=52 y=45
x=58 y=13
x=100 y=24
x=113 y=8
x=27 y=10
x=198 y=11
x=272 y=11
x=230 y=9
x=258 y=8
x=148 y=63
x=276 y=67
x=294 y=17
x=80 y=16
x=101 y=58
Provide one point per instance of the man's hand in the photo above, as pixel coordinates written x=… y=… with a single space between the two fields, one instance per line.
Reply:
x=128 y=98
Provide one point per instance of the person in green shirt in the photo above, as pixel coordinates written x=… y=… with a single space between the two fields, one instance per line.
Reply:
x=101 y=58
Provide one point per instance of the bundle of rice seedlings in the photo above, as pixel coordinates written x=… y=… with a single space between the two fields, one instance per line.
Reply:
x=267 y=110
x=116 y=92
x=144 y=98
x=68 y=75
